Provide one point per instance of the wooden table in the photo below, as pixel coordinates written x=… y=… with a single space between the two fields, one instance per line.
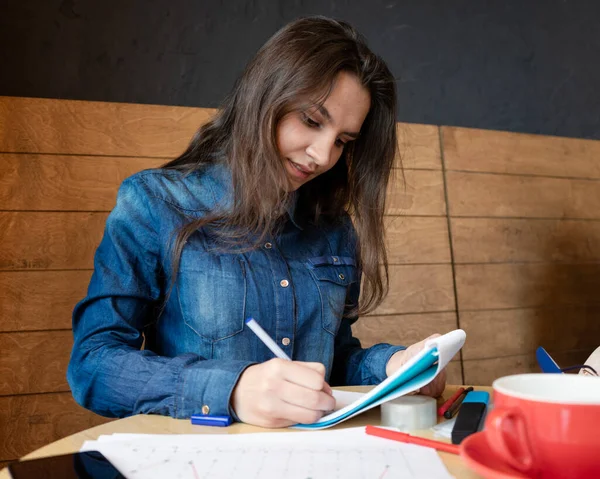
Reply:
x=152 y=424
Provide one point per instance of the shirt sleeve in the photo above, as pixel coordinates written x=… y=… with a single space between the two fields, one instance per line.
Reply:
x=109 y=372
x=353 y=365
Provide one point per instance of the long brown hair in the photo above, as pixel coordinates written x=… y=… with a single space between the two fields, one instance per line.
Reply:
x=293 y=71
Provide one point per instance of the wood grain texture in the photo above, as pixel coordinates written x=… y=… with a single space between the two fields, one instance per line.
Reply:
x=31 y=421
x=418 y=289
x=416 y=192
x=477 y=194
x=40 y=300
x=503 y=152
x=54 y=182
x=49 y=240
x=34 y=362
x=520 y=331
x=454 y=372
x=36 y=125
x=417 y=239
x=403 y=329
x=502 y=286
x=484 y=371
x=496 y=240
x=418 y=146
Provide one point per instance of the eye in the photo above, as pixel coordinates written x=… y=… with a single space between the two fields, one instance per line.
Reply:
x=340 y=143
x=309 y=121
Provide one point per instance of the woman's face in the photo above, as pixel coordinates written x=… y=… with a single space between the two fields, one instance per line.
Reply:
x=311 y=142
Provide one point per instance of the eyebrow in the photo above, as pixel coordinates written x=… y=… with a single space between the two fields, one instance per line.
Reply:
x=325 y=113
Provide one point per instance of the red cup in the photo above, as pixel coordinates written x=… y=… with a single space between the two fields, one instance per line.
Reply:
x=547 y=425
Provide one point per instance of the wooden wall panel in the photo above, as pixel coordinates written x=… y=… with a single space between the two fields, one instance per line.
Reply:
x=37 y=362
x=523 y=213
x=48 y=240
x=418 y=289
x=31 y=421
x=416 y=192
x=40 y=300
x=418 y=147
x=521 y=331
x=403 y=329
x=485 y=371
x=71 y=183
x=35 y=125
x=416 y=239
x=479 y=194
x=454 y=373
x=502 y=286
x=503 y=152
x=495 y=240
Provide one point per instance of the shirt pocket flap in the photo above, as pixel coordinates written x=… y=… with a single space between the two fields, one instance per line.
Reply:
x=335 y=269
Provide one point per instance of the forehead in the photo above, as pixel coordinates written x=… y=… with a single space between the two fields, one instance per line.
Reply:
x=348 y=103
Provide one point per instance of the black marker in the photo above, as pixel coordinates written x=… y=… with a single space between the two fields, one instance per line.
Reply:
x=452 y=410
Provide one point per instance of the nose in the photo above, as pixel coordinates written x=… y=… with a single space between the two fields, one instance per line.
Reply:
x=321 y=151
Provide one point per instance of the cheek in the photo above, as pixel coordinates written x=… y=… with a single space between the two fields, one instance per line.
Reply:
x=290 y=136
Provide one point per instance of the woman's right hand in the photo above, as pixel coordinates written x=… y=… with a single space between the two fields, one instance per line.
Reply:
x=279 y=393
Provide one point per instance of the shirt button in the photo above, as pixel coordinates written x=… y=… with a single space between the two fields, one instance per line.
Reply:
x=268 y=245
x=285 y=341
x=341 y=276
x=205 y=409
x=335 y=260
x=284 y=283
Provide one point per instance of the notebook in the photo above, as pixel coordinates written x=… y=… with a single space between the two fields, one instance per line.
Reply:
x=416 y=373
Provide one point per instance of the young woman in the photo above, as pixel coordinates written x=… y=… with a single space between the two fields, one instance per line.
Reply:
x=275 y=211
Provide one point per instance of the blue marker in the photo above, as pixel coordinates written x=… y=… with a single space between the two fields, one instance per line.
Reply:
x=207 y=420
x=470 y=415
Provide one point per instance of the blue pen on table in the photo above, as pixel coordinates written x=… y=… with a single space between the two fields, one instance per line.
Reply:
x=266 y=339
x=206 y=420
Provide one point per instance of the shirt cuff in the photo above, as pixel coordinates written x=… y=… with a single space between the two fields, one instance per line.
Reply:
x=378 y=361
x=207 y=387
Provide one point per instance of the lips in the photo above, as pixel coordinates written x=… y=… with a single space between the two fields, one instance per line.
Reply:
x=299 y=170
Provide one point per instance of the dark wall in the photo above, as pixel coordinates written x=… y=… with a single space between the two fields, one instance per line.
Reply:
x=517 y=65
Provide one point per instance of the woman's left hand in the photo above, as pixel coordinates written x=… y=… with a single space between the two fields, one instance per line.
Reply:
x=436 y=387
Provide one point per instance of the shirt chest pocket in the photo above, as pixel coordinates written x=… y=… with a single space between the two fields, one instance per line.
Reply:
x=333 y=275
x=212 y=294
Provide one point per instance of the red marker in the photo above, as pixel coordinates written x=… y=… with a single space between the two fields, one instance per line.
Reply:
x=444 y=407
x=407 y=438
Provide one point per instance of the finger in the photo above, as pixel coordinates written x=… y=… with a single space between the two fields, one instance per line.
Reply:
x=308 y=375
x=278 y=413
x=297 y=414
x=436 y=387
x=318 y=367
x=306 y=398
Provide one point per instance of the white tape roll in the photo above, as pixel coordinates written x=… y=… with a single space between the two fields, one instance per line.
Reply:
x=408 y=413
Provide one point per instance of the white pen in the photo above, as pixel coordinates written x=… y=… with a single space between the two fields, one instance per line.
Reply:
x=266 y=339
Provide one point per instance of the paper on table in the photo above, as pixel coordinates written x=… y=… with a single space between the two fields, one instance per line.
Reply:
x=416 y=373
x=344 y=398
x=345 y=454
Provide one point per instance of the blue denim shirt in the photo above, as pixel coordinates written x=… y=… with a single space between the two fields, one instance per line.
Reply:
x=296 y=285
